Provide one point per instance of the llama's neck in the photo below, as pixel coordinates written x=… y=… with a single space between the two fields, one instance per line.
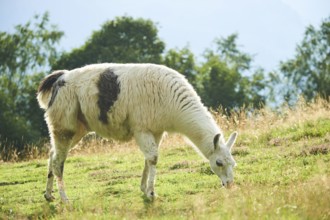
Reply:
x=200 y=128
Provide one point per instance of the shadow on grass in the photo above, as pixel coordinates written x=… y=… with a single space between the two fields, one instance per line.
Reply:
x=48 y=210
x=17 y=182
x=151 y=207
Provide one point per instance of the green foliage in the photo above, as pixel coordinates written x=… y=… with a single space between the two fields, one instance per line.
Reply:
x=21 y=116
x=221 y=80
x=122 y=40
x=227 y=50
x=30 y=49
x=309 y=71
x=184 y=62
x=220 y=84
x=224 y=77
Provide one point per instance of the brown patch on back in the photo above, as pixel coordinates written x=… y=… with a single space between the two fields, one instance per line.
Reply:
x=109 y=89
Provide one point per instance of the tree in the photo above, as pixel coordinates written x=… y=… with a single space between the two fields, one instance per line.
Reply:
x=308 y=73
x=124 y=39
x=219 y=84
x=24 y=55
x=227 y=78
x=183 y=61
x=228 y=52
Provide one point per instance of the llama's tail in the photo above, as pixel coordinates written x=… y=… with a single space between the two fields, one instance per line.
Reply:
x=48 y=88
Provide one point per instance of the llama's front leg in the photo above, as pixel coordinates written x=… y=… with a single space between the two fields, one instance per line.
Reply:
x=152 y=162
x=50 y=179
x=144 y=178
x=149 y=148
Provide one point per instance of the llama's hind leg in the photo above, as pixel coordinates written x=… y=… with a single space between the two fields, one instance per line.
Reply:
x=64 y=141
x=50 y=179
x=58 y=169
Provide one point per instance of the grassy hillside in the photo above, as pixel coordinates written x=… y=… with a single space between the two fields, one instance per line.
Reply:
x=283 y=172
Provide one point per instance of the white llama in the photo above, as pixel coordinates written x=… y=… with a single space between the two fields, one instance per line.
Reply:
x=123 y=101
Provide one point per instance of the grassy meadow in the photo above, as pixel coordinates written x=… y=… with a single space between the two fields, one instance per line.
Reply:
x=283 y=172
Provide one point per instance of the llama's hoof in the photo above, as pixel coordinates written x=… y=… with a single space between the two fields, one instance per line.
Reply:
x=49 y=197
x=65 y=200
x=151 y=195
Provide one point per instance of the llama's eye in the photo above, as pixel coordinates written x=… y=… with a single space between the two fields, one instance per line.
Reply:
x=219 y=163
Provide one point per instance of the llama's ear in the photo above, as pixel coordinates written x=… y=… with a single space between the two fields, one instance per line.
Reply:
x=216 y=140
x=231 y=140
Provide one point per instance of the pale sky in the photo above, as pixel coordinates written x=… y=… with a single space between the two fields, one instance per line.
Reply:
x=268 y=29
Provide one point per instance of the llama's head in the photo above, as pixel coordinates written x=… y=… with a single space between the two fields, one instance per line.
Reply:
x=221 y=160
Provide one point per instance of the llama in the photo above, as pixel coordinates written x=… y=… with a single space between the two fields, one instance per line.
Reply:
x=125 y=101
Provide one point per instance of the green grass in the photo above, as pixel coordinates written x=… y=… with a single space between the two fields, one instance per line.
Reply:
x=282 y=173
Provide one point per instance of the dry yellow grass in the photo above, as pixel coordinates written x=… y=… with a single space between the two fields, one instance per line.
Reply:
x=250 y=125
x=265 y=119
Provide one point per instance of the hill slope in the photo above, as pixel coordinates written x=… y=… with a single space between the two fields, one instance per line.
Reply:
x=283 y=172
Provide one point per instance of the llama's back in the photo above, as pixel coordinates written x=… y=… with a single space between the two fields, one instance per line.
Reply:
x=117 y=99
